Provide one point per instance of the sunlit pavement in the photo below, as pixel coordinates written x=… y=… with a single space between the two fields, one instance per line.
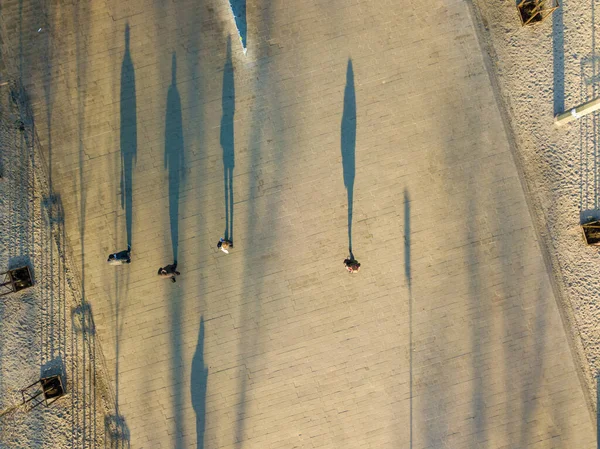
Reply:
x=449 y=336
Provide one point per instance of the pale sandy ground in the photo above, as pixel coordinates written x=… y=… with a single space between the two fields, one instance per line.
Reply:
x=540 y=71
x=43 y=330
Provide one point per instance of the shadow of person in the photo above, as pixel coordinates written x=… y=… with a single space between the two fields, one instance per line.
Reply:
x=227 y=140
x=174 y=154
x=348 y=144
x=238 y=8
x=199 y=379
x=128 y=134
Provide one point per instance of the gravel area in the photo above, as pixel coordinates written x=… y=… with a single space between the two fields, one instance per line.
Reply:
x=540 y=71
x=46 y=329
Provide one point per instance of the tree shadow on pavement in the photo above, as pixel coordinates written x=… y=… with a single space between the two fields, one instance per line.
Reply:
x=227 y=140
x=174 y=154
x=128 y=134
x=348 y=144
x=117 y=432
x=199 y=379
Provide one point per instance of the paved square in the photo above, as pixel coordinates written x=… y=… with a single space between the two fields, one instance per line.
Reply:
x=448 y=337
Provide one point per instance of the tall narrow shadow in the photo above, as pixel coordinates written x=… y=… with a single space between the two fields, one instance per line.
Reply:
x=227 y=140
x=348 y=144
x=558 y=55
x=407 y=268
x=174 y=165
x=597 y=411
x=588 y=130
x=174 y=154
x=128 y=134
x=199 y=379
x=238 y=9
x=408 y=277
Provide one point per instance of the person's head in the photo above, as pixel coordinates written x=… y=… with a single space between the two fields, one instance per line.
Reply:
x=225 y=244
x=161 y=271
x=112 y=257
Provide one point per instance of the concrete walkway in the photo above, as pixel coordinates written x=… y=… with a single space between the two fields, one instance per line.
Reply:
x=378 y=116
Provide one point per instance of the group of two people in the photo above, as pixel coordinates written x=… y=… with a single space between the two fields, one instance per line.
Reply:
x=167 y=272
x=123 y=257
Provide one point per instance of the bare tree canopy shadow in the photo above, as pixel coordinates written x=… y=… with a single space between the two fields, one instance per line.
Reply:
x=227 y=140
x=174 y=154
x=128 y=134
x=199 y=379
x=348 y=144
x=117 y=432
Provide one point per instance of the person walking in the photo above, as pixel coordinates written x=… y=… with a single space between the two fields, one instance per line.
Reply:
x=120 y=258
x=352 y=265
x=170 y=271
x=224 y=245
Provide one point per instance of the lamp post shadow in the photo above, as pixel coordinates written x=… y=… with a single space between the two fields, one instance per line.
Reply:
x=597 y=410
x=128 y=134
x=408 y=278
x=558 y=60
x=174 y=154
x=348 y=145
x=227 y=139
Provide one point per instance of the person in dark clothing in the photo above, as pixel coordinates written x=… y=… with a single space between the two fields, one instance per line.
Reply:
x=224 y=245
x=351 y=265
x=170 y=271
x=120 y=258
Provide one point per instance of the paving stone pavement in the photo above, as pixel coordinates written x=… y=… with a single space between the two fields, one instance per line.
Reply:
x=448 y=337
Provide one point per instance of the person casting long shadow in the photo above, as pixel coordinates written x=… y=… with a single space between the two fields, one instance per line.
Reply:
x=174 y=154
x=227 y=140
x=199 y=379
x=348 y=144
x=128 y=135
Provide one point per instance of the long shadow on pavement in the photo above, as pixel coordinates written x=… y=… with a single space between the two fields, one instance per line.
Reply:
x=174 y=154
x=238 y=8
x=115 y=426
x=174 y=164
x=260 y=229
x=128 y=134
x=348 y=144
x=227 y=140
x=597 y=411
x=199 y=379
x=558 y=59
x=408 y=278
